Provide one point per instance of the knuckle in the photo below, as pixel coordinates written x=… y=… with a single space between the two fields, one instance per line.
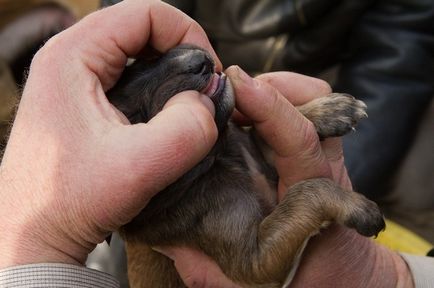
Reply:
x=41 y=56
x=272 y=105
x=49 y=52
x=310 y=136
x=311 y=146
x=312 y=156
x=274 y=99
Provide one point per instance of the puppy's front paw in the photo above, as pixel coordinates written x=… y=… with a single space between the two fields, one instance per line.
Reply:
x=334 y=115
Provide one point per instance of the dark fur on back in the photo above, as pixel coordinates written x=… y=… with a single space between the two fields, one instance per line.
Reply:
x=225 y=206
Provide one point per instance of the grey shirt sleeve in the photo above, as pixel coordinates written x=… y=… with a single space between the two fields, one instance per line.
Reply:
x=422 y=269
x=55 y=275
x=64 y=275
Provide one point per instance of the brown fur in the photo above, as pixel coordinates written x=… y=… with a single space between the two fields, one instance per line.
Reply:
x=226 y=205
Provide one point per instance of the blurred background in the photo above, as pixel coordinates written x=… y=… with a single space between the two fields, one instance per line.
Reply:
x=380 y=51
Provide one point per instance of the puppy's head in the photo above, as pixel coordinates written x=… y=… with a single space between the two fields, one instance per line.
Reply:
x=145 y=86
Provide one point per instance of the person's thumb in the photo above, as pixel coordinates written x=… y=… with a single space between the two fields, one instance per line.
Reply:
x=153 y=155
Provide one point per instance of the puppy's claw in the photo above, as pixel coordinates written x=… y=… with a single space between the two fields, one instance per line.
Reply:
x=334 y=115
x=367 y=219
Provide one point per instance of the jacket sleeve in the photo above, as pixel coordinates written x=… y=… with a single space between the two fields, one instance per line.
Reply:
x=55 y=275
x=422 y=269
x=187 y=6
x=390 y=65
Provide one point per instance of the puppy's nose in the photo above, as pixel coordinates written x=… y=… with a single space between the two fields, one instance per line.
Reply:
x=201 y=63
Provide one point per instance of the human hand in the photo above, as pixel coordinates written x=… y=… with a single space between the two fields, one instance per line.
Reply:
x=74 y=169
x=267 y=103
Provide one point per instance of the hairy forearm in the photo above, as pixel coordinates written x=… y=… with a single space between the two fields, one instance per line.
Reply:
x=28 y=236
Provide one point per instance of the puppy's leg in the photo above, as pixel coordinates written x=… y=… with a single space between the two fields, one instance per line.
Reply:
x=266 y=258
x=335 y=114
x=147 y=268
x=306 y=206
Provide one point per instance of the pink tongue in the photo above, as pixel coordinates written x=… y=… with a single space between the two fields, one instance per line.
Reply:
x=212 y=85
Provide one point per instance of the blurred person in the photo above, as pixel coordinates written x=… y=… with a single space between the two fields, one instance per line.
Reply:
x=384 y=50
x=24 y=26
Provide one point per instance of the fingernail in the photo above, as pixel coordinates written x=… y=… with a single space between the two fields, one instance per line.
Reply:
x=240 y=75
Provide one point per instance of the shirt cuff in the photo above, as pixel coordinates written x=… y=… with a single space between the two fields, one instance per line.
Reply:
x=55 y=275
x=422 y=269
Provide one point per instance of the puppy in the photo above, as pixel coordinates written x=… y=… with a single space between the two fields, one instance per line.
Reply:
x=226 y=205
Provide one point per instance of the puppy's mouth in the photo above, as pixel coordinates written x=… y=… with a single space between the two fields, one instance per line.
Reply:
x=220 y=91
x=216 y=86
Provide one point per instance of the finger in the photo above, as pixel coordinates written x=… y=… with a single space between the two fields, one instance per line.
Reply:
x=302 y=88
x=155 y=154
x=109 y=36
x=128 y=31
x=196 y=269
x=290 y=135
x=333 y=151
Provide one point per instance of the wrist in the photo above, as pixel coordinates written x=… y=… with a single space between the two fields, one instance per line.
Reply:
x=340 y=257
x=19 y=249
x=390 y=263
x=29 y=237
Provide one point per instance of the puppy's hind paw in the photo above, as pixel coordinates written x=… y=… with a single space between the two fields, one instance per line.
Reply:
x=334 y=115
x=366 y=218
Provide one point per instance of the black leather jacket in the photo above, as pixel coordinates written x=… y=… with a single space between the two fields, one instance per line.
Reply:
x=384 y=48
x=270 y=35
